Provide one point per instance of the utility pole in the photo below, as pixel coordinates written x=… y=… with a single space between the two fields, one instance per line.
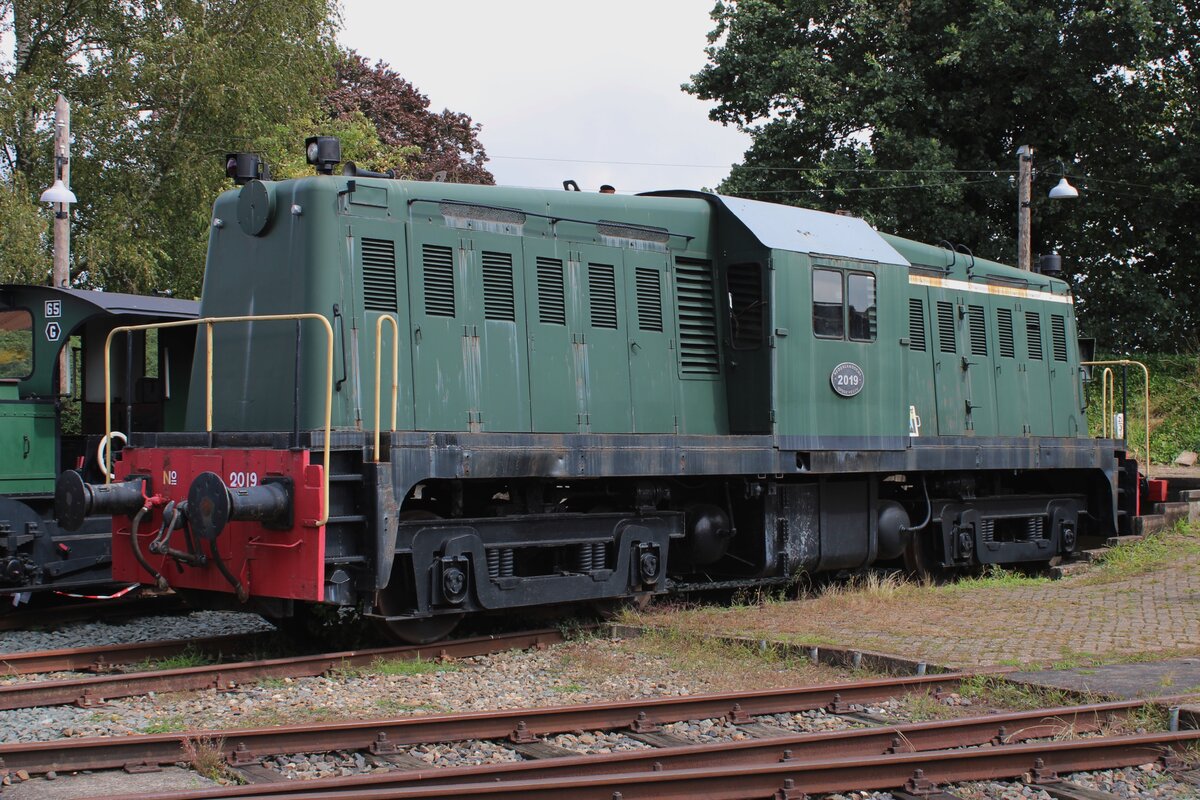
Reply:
x=1024 y=196
x=60 y=276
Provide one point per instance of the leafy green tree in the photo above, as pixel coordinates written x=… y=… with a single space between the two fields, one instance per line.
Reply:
x=910 y=113
x=159 y=92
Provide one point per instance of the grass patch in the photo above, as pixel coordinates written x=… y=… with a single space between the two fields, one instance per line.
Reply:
x=923 y=707
x=993 y=577
x=168 y=724
x=190 y=657
x=390 y=705
x=1158 y=550
x=568 y=688
x=417 y=666
x=993 y=690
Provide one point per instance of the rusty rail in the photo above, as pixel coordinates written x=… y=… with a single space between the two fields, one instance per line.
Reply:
x=994 y=729
x=915 y=772
x=99 y=659
x=91 y=690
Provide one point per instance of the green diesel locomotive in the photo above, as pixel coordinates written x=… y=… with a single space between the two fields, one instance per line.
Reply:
x=426 y=400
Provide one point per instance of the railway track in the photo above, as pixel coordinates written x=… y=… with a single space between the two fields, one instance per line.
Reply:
x=770 y=747
x=242 y=747
x=94 y=689
x=912 y=759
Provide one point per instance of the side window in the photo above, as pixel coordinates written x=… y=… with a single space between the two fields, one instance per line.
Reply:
x=16 y=343
x=828 y=310
x=860 y=297
x=744 y=284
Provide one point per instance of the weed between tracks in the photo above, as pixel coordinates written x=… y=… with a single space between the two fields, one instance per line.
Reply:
x=206 y=757
x=1130 y=559
x=190 y=657
x=397 y=666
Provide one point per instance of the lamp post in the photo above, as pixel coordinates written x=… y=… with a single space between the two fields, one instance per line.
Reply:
x=1063 y=191
x=59 y=195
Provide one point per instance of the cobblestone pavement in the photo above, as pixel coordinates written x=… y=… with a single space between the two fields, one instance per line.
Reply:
x=1072 y=620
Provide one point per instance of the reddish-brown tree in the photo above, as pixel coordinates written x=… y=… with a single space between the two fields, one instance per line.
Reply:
x=448 y=140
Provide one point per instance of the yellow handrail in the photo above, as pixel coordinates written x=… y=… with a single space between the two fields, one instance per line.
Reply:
x=1108 y=389
x=208 y=323
x=395 y=371
x=1124 y=362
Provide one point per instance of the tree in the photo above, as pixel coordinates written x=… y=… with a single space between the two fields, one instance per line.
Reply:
x=910 y=114
x=444 y=142
x=160 y=90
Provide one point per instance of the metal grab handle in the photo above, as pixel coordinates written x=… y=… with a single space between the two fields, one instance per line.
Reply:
x=1125 y=362
x=103 y=459
x=209 y=322
x=378 y=368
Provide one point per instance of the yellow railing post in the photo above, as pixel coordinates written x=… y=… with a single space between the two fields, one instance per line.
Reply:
x=1108 y=392
x=1124 y=362
x=395 y=372
x=208 y=381
x=208 y=323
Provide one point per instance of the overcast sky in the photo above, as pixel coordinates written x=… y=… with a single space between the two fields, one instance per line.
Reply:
x=594 y=85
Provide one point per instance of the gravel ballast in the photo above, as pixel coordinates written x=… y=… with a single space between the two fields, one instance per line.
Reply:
x=194 y=625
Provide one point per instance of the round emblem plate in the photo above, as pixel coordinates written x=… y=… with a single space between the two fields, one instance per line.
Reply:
x=847 y=379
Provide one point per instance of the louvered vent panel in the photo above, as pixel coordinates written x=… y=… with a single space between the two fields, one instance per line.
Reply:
x=602 y=295
x=379 y=274
x=1058 y=336
x=1033 y=334
x=649 y=299
x=978 y=326
x=946 y=340
x=697 y=318
x=438 y=266
x=552 y=307
x=498 y=303
x=1004 y=323
x=744 y=282
x=916 y=324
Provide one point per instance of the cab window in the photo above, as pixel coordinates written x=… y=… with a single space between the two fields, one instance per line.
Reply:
x=860 y=302
x=828 y=311
x=16 y=344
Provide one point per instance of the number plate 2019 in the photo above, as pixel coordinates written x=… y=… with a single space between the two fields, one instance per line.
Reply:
x=847 y=379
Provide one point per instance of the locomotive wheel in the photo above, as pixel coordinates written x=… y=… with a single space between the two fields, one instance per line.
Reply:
x=921 y=560
x=394 y=600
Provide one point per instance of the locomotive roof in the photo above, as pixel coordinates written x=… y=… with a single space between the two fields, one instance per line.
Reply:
x=114 y=303
x=803 y=230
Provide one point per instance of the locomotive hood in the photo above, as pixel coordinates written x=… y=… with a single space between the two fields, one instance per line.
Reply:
x=803 y=230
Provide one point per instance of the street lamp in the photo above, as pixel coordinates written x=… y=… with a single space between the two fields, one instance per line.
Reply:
x=1062 y=191
x=58 y=194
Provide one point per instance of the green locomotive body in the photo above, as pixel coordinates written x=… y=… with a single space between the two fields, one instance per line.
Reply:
x=599 y=397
